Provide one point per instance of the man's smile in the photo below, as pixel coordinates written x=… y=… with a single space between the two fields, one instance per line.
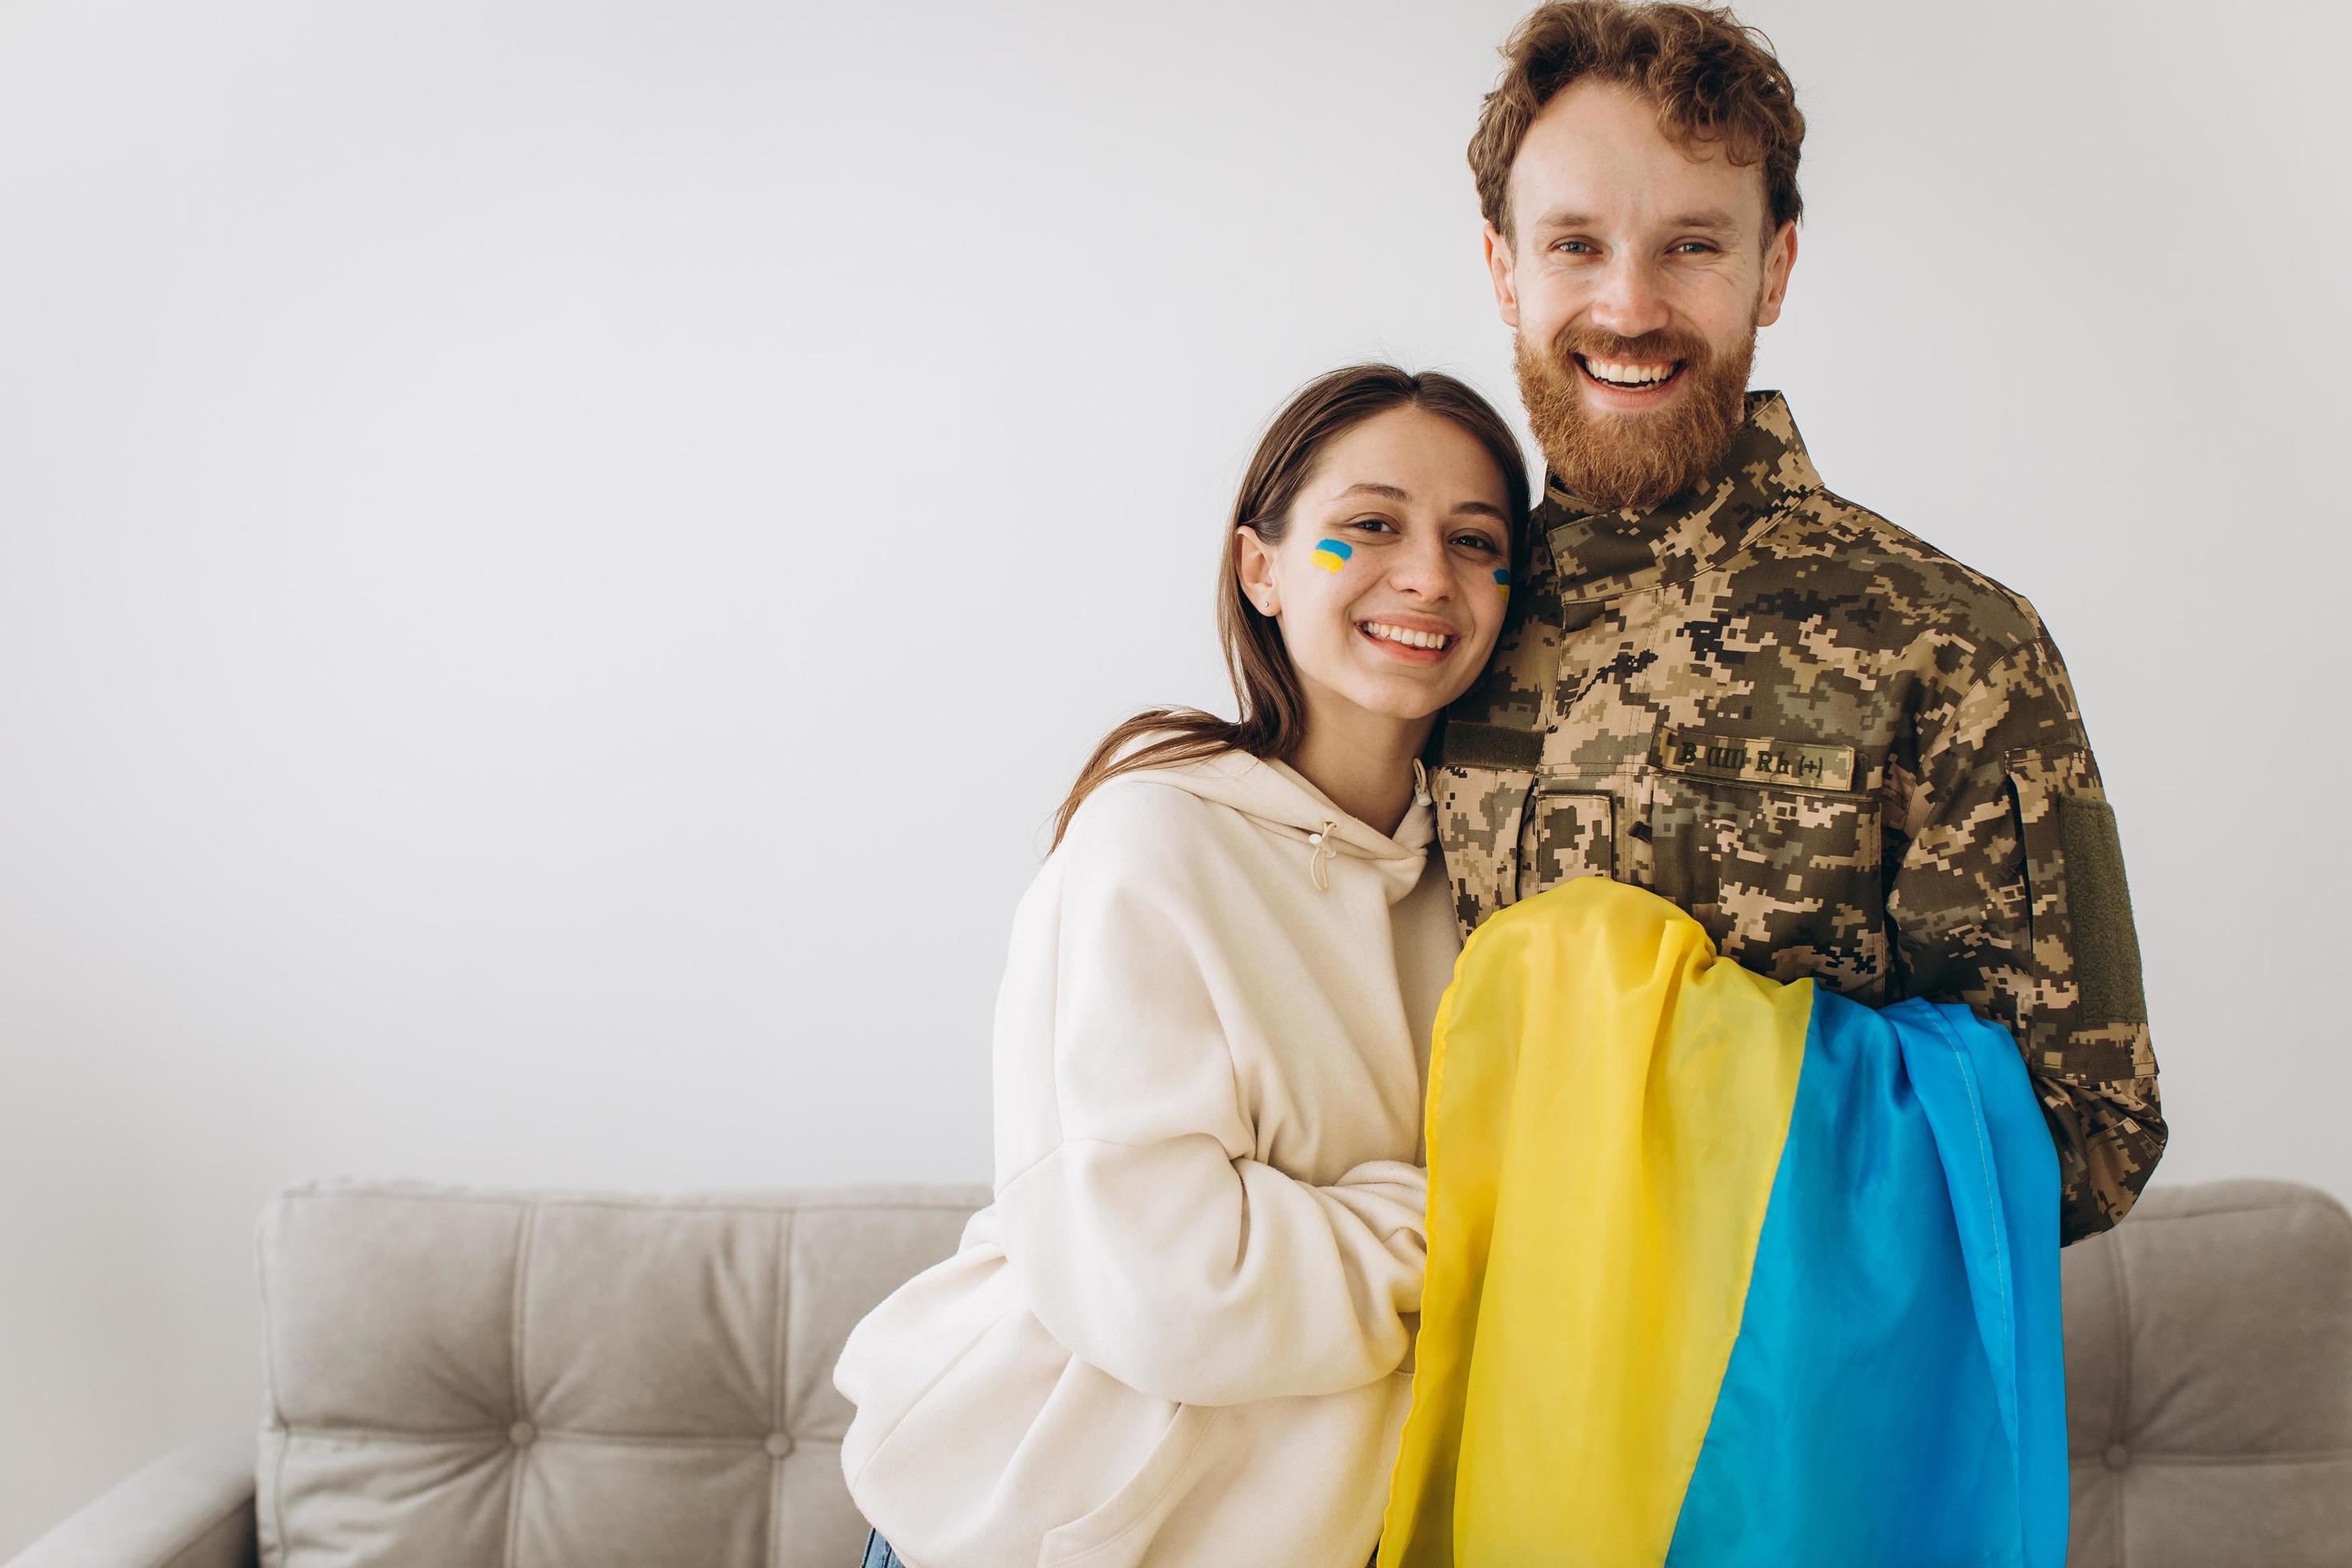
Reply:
x=1641 y=379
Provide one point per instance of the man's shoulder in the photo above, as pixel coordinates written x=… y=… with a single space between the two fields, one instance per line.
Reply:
x=1838 y=548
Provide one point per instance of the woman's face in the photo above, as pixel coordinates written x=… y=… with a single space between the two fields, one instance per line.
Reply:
x=1390 y=581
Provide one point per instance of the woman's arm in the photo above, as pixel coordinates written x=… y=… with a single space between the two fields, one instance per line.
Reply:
x=1150 y=1242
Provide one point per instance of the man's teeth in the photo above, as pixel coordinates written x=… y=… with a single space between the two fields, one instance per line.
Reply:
x=1628 y=375
x=1410 y=638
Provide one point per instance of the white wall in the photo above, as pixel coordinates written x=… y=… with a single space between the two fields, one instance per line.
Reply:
x=554 y=558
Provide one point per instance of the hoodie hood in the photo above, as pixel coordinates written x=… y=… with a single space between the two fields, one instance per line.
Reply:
x=1280 y=800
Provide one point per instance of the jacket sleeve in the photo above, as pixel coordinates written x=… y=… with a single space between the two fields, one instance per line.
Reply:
x=2009 y=896
x=1150 y=1240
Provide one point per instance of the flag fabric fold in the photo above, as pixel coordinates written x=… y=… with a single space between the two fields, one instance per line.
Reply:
x=1722 y=1271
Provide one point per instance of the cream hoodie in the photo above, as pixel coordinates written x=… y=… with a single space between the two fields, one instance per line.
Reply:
x=1179 y=1335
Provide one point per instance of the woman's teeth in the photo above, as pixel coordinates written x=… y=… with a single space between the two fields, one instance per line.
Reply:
x=1410 y=638
x=1620 y=374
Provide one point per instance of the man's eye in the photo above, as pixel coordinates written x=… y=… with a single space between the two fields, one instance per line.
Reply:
x=1576 y=247
x=1694 y=245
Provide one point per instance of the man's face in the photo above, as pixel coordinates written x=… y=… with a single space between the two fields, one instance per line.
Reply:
x=1637 y=274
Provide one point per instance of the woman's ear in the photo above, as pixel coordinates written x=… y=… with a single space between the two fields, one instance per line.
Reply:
x=1253 y=564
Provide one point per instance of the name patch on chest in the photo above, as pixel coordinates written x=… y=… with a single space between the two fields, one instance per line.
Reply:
x=1752 y=760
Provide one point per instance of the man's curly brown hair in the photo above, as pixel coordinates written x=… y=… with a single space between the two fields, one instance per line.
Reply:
x=1715 y=81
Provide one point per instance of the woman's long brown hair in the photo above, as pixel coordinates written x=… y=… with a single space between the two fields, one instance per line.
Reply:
x=1273 y=710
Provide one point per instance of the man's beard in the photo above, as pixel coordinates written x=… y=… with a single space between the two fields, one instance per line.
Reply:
x=1633 y=461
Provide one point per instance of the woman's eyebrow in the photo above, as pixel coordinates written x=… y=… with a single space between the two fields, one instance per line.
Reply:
x=1397 y=492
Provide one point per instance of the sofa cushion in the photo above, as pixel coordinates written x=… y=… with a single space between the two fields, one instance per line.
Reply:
x=483 y=1380
x=2209 y=1380
x=472 y=1379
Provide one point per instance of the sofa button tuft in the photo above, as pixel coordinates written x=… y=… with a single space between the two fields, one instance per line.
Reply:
x=521 y=1434
x=778 y=1444
x=2118 y=1456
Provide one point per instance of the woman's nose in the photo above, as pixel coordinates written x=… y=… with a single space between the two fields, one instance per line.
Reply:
x=1421 y=567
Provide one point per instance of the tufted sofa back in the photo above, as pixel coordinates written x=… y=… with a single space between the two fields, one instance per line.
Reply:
x=473 y=1380
x=477 y=1380
x=2209 y=1380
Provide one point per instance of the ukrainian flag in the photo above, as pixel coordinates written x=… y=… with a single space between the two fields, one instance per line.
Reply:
x=1724 y=1271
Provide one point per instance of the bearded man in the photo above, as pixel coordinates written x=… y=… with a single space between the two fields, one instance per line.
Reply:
x=1847 y=755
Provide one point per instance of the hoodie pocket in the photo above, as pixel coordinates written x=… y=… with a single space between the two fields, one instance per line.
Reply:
x=1115 y=1532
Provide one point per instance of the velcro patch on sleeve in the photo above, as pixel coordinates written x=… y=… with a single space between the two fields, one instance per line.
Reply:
x=2106 y=946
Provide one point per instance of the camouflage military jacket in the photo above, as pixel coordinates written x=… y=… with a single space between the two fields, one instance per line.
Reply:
x=1847 y=755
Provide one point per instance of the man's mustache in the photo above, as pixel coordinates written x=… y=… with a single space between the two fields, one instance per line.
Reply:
x=1649 y=348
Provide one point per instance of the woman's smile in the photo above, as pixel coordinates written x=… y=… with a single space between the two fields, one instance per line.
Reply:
x=1410 y=640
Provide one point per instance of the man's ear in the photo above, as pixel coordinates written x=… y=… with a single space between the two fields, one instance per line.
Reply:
x=1499 y=268
x=1780 y=257
x=1253 y=564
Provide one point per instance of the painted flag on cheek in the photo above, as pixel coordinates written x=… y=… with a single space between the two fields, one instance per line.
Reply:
x=1724 y=1271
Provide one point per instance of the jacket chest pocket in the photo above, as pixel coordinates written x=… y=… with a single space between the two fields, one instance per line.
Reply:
x=1566 y=834
x=1507 y=837
x=1786 y=881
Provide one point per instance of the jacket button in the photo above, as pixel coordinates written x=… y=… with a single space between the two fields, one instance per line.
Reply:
x=2118 y=1456
x=521 y=1434
x=778 y=1444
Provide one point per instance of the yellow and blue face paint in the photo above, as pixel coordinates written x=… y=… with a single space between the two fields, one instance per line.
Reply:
x=1331 y=554
x=1503 y=582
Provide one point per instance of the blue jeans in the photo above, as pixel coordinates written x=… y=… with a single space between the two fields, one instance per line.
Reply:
x=879 y=1555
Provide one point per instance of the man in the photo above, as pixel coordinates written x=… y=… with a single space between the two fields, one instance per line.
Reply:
x=1847 y=755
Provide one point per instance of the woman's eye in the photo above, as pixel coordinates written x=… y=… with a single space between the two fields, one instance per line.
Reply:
x=1478 y=541
x=1374 y=523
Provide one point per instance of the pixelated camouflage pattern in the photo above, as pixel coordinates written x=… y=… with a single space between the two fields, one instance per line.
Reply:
x=1572 y=833
x=1676 y=691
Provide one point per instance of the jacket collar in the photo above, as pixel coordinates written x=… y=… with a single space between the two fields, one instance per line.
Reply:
x=1600 y=555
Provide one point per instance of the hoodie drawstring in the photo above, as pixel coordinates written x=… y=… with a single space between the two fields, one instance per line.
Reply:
x=1321 y=840
x=1321 y=837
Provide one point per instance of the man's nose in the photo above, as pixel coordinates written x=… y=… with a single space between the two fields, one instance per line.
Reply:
x=1629 y=301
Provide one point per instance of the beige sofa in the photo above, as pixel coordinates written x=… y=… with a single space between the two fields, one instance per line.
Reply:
x=461 y=1379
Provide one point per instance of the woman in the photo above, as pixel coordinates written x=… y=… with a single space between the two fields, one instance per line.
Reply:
x=1180 y=1334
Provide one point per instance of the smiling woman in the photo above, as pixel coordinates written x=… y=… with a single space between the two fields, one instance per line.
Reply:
x=1181 y=1326
x=1406 y=493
